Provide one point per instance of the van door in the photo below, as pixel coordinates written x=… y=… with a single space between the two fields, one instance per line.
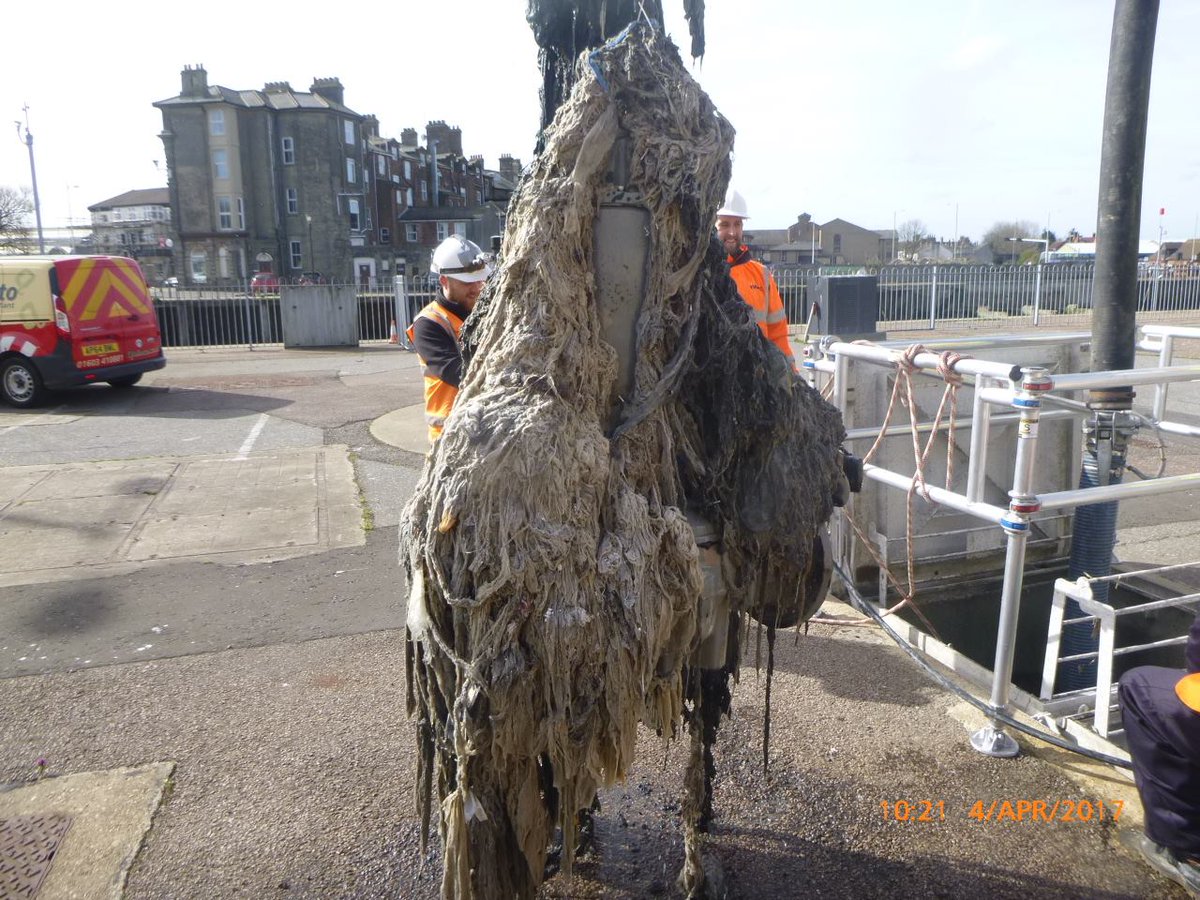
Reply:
x=108 y=305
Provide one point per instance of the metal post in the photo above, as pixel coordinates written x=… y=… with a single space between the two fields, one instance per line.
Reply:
x=401 y=312
x=1037 y=293
x=981 y=426
x=1035 y=381
x=37 y=204
x=1160 y=390
x=933 y=301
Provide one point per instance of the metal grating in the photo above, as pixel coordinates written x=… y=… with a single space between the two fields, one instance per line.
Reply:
x=28 y=845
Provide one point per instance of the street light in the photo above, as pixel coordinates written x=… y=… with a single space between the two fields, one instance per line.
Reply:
x=71 y=217
x=312 y=254
x=37 y=205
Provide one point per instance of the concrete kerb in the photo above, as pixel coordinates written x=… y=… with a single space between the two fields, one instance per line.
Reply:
x=403 y=428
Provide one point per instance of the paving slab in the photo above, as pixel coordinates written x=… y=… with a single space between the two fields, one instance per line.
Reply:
x=102 y=818
x=102 y=518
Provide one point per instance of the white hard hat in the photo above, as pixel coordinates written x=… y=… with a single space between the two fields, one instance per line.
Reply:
x=735 y=205
x=460 y=259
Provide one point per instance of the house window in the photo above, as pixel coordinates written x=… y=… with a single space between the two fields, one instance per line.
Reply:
x=220 y=160
x=354 y=215
x=385 y=235
x=408 y=200
x=294 y=247
x=381 y=166
x=837 y=245
x=289 y=151
x=442 y=231
x=407 y=170
x=348 y=129
x=224 y=213
x=424 y=191
x=460 y=228
x=223 y=262
x=351 y=171
x=216 y=122
x=293 y=202
x=198 y=267
x=410 y=233
x=241 y=214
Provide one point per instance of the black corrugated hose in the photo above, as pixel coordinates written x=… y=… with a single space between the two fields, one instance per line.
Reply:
x=859 y=603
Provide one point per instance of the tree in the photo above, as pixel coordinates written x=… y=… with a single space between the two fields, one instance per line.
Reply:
x=910 y=234
x=997 y=239
x=15 y=207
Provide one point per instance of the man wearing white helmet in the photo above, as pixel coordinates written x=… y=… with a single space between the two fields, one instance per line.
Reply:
x=754 y=281
x=462 y=269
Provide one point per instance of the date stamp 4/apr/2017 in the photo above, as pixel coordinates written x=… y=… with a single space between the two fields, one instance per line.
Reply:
x=1003 y=810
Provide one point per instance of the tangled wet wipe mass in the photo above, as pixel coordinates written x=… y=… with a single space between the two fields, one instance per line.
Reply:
x=555 y=546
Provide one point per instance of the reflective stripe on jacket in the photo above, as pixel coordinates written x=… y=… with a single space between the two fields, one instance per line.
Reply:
x=758 y=289
x=439 y=395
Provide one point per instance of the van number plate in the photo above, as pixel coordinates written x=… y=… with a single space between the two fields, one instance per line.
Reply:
x=100 y=349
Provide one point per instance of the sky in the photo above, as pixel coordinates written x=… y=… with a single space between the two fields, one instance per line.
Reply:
x=955 y=113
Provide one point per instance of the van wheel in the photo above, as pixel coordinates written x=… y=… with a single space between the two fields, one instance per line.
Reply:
x=21 y=383
x=125 y=380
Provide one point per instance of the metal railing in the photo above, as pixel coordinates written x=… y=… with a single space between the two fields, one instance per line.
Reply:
x=1023 y=391
x=241 y=315
x=1100 y=699
x=972 y=297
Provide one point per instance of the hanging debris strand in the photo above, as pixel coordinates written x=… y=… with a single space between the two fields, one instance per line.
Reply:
x=563 y=30
x=554 y=575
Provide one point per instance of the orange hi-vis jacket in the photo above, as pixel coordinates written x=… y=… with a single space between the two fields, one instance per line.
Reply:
x=439 y=395
x=758 y=289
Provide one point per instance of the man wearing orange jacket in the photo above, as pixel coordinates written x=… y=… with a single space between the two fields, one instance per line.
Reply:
x=462 y=269
x=754 y=281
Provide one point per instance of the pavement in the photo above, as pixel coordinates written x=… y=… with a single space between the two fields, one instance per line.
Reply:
x=201 y=689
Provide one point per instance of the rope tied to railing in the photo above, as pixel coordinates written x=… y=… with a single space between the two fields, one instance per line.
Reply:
x=905 y=362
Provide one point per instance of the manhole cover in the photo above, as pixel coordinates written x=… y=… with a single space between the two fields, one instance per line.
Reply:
x=27 y=848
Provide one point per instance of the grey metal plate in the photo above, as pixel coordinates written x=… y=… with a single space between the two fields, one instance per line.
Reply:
x=28 y=845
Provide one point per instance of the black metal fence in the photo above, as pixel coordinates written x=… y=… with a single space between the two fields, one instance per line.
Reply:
x=910 y=298
x=972 y=297
x=231 y=317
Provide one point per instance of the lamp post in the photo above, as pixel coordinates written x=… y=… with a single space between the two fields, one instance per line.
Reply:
x=312 y=253
x=37 y=205
x=71 y=217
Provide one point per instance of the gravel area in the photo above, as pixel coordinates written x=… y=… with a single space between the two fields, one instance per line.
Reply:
x=294 y=779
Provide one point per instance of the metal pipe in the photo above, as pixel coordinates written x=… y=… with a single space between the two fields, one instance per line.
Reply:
x=1035 y=381
x=1184 y=331
x=981 y=427
x=889 y=357
x=1122 y=162
x=1178 y=428
x=869 y=434
x=938 y=495
x=998 y=341
x=1125 y=377
x=1122 y=491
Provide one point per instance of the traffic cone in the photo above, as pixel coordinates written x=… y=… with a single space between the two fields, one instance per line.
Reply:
x=393 y=336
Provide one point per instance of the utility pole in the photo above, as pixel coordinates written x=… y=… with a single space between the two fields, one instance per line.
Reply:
x=37 y=204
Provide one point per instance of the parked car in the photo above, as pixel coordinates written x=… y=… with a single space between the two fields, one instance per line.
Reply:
x=265 y=282
x=73 y=320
